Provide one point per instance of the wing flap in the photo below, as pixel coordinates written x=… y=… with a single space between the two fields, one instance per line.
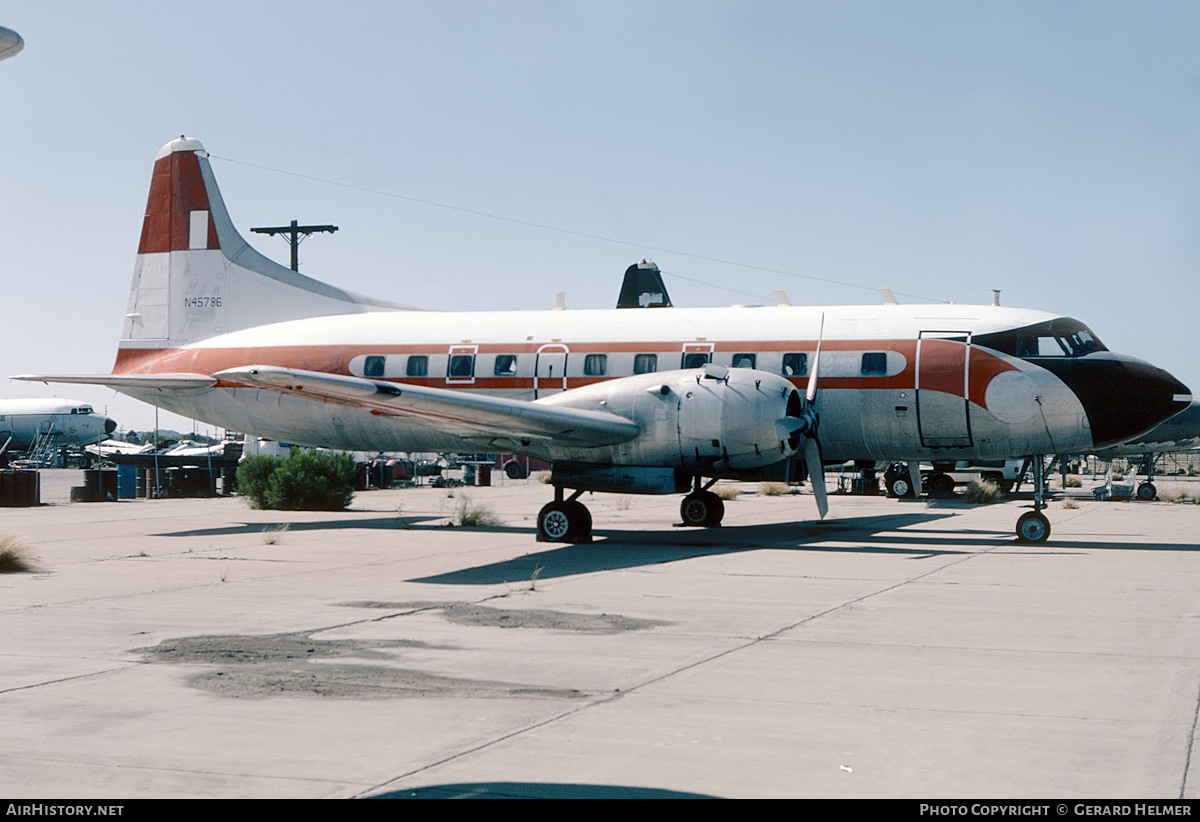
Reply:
x=465 y=413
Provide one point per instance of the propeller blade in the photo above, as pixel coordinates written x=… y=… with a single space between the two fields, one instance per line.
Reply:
x=816 y=473
x=811 y=394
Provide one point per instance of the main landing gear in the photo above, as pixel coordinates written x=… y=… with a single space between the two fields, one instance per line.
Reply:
x=566 y=519
x=702 y=508
x=1033 y=526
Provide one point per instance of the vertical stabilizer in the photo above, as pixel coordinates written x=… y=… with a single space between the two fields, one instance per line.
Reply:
x=643 y=287
x=196 y=277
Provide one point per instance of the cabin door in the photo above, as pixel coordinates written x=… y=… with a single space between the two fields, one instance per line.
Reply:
x=550 y=373
x=943 y=410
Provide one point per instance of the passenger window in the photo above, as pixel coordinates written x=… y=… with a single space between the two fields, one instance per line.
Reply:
x=461 y=365
x=696 y=359
x=874 y=364
x=645 y=363
x=418 y=366
x=506 y=365
x=744 y=360
x=595 y=365
x=373 y=367
x=795 y=365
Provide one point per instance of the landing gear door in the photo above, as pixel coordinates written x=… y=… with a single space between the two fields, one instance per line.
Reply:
x=550 y=373
x=943 y=410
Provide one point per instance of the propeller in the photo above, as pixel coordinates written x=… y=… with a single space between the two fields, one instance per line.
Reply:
x=812 y=446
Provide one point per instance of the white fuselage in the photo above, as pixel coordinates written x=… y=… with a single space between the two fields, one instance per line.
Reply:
x=896 y=382
x=61 y=422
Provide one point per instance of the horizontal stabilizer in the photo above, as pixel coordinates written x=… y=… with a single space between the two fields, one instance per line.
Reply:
x=164 y=381
x=468 y=414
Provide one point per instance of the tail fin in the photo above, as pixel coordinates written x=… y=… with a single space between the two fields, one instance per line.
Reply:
x=196 y=277
x=643 y=287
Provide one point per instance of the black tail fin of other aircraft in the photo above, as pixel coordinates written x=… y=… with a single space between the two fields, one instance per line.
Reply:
x=643 y=287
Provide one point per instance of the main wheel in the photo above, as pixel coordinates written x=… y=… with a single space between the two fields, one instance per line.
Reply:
x=941 y=485
x=702 y=508
x=514 y=470
x=1147 y=492
x=556 y=522
x=899 y=486
x=1033 y=527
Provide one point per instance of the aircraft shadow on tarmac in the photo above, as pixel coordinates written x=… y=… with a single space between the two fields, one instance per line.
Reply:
x=616 y=549
x=535 y=790
x=611 y=549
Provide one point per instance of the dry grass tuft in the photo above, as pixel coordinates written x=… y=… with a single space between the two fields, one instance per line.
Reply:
x=1178 y=497
x=271 y=534
x=471 y=514
x=726 y=492
x=773 y=489
x=15 y=554
x=981 y=491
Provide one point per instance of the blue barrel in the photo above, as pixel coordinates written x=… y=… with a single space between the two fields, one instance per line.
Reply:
x=127 y=481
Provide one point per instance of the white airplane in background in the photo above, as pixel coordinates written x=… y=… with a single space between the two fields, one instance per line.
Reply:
x=1180 y=433
x=63 y=422
x=650 y=400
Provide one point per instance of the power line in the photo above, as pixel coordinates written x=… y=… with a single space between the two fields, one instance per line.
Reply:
x=573 y=232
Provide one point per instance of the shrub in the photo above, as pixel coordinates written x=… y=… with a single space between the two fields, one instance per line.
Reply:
x=478 y=514
x=253 y=473
x=726 y=492
x=772 y=489
x=982 y=491
x=14 y=554
x=1072 y=482
x=302 y=481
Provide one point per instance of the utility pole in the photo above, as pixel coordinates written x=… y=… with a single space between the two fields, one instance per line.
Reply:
x=295 y=233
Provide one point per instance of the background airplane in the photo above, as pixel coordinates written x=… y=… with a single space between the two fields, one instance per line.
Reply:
x=646 y=401
x=26 y=422
x=1180 y=433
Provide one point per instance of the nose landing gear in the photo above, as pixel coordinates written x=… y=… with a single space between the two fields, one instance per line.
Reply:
x=1033 y=526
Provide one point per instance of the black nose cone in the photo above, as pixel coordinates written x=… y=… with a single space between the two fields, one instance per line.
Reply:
x=110 y=425
x=1123 y=397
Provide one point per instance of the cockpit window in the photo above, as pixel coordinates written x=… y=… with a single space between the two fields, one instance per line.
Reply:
x=1063 y=337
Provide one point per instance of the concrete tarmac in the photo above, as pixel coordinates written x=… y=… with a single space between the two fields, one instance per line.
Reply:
x=200 y=648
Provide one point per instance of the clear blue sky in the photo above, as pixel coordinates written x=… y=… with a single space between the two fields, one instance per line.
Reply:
x=1050 y=149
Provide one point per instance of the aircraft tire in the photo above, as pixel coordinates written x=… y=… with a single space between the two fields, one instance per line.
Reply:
x=702 y=509
x=1033 y=527
x=1147 y=492
x=557 y=522
x=515 y=471
x=941 y=485
x=568 y=521
x=899 y=487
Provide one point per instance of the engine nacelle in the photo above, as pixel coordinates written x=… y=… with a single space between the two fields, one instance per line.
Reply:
x=709 y=420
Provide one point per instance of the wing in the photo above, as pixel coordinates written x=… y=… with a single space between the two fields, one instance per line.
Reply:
x=162 y=381
x=456 y=412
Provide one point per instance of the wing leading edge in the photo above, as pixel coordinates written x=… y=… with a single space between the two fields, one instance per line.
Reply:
x=458 y=412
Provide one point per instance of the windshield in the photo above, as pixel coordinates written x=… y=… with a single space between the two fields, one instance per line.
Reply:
x=1062 y=337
